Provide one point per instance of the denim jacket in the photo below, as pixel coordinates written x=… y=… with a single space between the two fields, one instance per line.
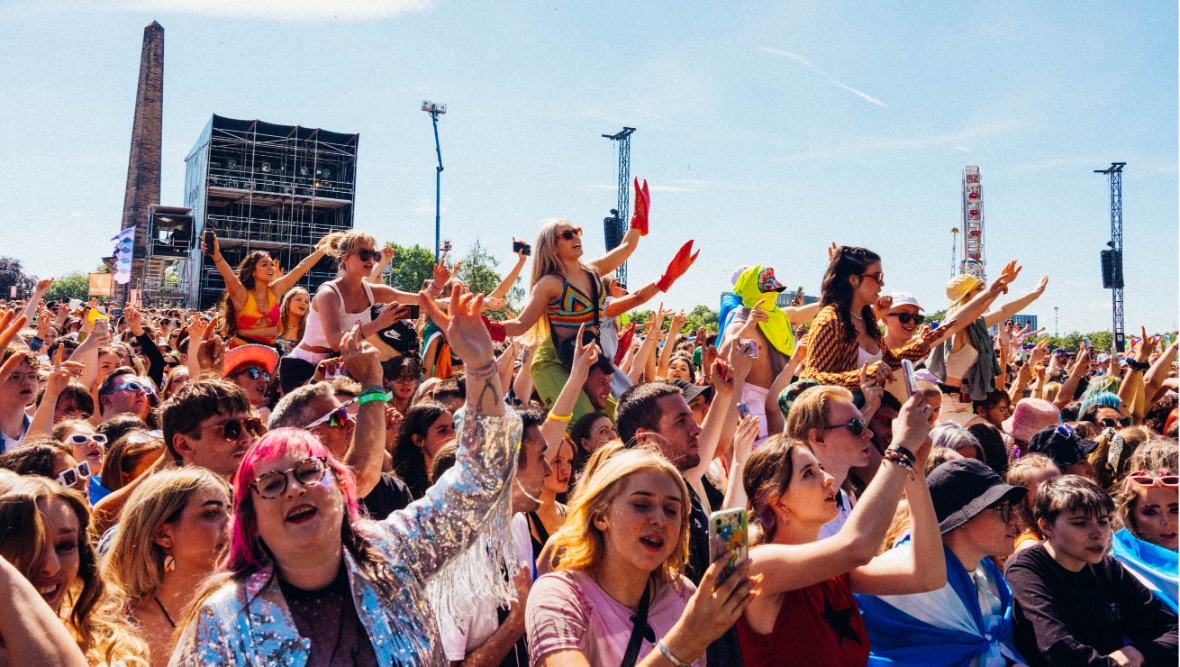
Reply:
x=248 y=623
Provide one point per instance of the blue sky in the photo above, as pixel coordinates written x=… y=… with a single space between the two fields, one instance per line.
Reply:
x=766 y=131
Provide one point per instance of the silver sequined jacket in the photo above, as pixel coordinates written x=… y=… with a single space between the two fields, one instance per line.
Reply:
x=248 y=623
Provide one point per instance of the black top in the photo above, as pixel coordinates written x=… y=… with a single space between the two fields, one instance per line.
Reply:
x=390 y=494
x=1078 y=618
x=328 y=618
x=726 y=650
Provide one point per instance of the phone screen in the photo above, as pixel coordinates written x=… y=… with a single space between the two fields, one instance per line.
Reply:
x=728 y=540
x=911 y=380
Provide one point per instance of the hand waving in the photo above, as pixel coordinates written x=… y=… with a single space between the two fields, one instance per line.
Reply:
x=463 y=328
x=642 y=206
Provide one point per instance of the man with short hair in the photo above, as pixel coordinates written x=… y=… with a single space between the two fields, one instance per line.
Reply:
x=17 y=392
x=208 y=423
x=598 y=388
x=124 y=393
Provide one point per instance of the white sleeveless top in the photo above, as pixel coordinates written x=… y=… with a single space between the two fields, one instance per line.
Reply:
x=313 y=335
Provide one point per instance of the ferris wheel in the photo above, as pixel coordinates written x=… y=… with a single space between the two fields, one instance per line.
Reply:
x=974 y=261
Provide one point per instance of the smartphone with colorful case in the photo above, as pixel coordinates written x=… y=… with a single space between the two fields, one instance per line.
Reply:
x=729 y=540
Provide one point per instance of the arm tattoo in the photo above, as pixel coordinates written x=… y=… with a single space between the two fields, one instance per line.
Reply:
x=487 y=390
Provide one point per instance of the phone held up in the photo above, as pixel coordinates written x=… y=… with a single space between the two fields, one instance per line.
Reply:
x=908 y=376
x=749 y=347
x=210 y=236
x=728 y=540
x=522 y=247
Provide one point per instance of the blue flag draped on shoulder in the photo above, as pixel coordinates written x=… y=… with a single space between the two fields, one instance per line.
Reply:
x=943 y=628
x=1153 y=565
x=124 y=251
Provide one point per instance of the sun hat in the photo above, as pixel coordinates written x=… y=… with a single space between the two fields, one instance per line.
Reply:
x=905 y=299
x=1030 y=416
x=960 y=286
x=963 y=488
x=1062 y=444
x=263 y=355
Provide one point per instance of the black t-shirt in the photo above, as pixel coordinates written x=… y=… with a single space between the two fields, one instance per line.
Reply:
x=726 y=650
x=390 y=495
x=1078 y=618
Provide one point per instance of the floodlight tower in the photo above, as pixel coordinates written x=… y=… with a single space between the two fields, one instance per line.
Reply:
x=624 y=209
x=436 y=110
x=954 y=251
x=1112 y=259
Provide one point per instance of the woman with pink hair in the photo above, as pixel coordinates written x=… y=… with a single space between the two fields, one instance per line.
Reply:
x=309 y=581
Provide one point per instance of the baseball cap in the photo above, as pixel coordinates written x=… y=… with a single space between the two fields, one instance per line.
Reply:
x=905 y=299
x=1103 y=357
x=691 y=391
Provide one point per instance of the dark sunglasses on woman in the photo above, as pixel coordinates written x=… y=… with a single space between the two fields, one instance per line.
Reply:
x=256 y=373
x=570 y=234
x=1121 y=422
x=366 y=255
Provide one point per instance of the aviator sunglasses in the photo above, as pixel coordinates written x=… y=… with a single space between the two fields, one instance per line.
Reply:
x=854 y=426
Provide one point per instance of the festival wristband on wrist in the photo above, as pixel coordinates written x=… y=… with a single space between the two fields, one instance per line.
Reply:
x=1138 y=365
x=372 y=394
x=482 y=373
x=670 y=656
x=561 y=418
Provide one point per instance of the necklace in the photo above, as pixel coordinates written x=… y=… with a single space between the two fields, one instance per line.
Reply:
x=165 y=611
x=857 y=317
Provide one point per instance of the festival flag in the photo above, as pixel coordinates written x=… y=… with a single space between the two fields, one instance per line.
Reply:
x=124 y=249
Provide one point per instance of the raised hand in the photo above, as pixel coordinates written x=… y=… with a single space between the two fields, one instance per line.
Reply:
x=1146 y=347
x=1007 y=276
x=442 y=274
x=798 y=300
x=881 y=308
x=872 y=387
x=585 y=356
x=387 y=253
x=832 y=250
x=523 y=253
x=360 y=358
x=642 y=206
x=494 y=303
x=1042 y=285
x=744 y=437
x=678 y=266
x=326 y=369
x=463 y=327
x=1038 y=353
x=42 y=287
x=134 y=320
x=912 y=425
x=216 y=255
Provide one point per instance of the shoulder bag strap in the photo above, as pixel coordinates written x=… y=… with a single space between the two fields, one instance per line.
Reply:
x=640 y=630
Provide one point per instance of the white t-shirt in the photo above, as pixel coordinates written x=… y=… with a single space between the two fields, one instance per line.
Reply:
x=461 y=636
x=845 y=501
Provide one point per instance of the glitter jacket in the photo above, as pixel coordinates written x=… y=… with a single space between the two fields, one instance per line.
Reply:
x=248 y=623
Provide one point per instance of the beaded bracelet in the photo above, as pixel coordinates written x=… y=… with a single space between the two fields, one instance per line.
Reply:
x=670 y=656
x=901 y=456
x=1138 y=365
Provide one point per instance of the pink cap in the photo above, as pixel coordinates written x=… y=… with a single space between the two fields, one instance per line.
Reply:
x=1030 y=416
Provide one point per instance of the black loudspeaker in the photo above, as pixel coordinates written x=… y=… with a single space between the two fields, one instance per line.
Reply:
x=1112 y=269
x=171 y=231
x=612 y=230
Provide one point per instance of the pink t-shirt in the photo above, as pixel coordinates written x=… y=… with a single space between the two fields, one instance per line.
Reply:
x=567 y=610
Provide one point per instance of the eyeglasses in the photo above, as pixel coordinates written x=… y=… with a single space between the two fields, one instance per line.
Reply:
x=231 y=429
x=878 y=277
x=1121 y=422
x=1005 y=509
x=82 y=438
x=906 y=318
x=273 y=484
x=1146 y=480
x=854 y=426
x=255 y=373
x=335 y=419
x=406 y=378
x=569 y=234
x=366 y=255
x=69 y=477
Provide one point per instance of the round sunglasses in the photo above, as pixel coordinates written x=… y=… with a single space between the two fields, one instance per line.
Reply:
x=232 y=429
x=1121 y=422
x=255 y=373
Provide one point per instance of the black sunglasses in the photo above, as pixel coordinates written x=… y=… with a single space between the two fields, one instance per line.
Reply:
x=232 y=429
x=273 y=484
x=256 y=373
x=906 y=318
x=1123 y=422
x=854 y=426
x=570 y=234
x=366 y=255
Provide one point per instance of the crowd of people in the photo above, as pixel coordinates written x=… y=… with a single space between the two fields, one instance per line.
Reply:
x=369 y=476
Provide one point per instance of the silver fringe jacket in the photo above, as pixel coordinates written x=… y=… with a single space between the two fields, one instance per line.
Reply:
x=248 y=623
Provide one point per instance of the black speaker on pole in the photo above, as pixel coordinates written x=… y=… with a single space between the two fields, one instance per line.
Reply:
x=1112 y=269
x=611 y=230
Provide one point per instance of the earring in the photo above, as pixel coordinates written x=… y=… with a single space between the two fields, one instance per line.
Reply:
x=169 y=562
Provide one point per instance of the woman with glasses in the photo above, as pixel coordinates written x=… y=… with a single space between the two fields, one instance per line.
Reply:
x=1148 y=517
x=806 y=614
x=86 y=445
x=250 y=310
x=49 y=459
x=401 y=377
x=252 y=367
x=174 y=530
x=349 y=300
x=969 y=620
x=308 y=581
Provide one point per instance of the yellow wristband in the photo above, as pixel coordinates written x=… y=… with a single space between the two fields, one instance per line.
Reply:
x=561 y=418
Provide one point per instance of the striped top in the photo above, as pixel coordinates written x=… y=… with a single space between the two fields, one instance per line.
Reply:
x=574 y=307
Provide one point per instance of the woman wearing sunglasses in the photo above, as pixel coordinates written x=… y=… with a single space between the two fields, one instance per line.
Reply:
x=87 y=445
x=251 y=367
x=308 y=581
x=349 y=300
x=250 y=311
x=1147 y=511
x=49 y=459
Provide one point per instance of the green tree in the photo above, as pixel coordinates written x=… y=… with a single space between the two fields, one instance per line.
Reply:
x=411 y=266
x=69 y=286
x=701 y=316
x=478 y=272
x=12 y=273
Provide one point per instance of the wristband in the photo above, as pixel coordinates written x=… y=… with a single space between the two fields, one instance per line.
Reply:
x=561 y=418
x=372 y=394
x=36 y=343
x=484 y=373
x=671 y=658
x=1138 y=365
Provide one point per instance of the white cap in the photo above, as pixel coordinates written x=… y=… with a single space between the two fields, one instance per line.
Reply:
x=905 y=299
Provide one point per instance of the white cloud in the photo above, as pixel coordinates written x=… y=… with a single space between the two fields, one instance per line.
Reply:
x=668 y=188
x=276 y=10
x=904 y=142
x=963 y=148
x=801 y=59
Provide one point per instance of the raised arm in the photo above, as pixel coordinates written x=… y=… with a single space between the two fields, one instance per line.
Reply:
x=633 y=300
x=669 y=345
x=367 y=451
x=547 y=289
x=288 y=280
x=1068 y=388
x=639 y=363
x=34 y=303
x=237 y=291
x=1016 y=305
x=563 y=408
x=613 y=259
x=802 y=314
x=374 y=276
x=743 y=446
x=975 y=308
x=726 y=391
x=506 y=284
x=522 y=386
x=1154 y=380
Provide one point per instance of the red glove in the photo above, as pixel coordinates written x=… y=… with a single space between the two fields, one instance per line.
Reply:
x=624 y=343
x=642 y=203
x=677 y=267
x=496 y=329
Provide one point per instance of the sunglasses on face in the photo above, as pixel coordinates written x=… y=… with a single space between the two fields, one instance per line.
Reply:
x=256 y=373
x=232 y=429
x=1006 y=511
x=334 y=419
x=570 y=234
x=1146 y=480
x=366 y=255
x=133 y=386
x=1121 y=422
x=307 y=472
x=1065 y=430
x=878 y=277
x=854 y=426
x=906 y=318
x=82 y=438
x=69 y=477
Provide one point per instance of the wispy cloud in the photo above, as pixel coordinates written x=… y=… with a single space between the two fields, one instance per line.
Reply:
x=904 y=142
x=798 y=58
x=274 y=10
x=963 y=148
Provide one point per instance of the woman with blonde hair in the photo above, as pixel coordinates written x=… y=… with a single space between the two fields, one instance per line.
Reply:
x=348 y=300
x=1147 y=515
x=172 y=532
x=293 y=312
x=618 y=594
x=43 y=532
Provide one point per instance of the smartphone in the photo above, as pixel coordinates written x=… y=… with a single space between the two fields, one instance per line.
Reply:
x=749 y=347
x=209 y=238
x=522 y=247
x=728 y=540
x=1086 y=342
x=117 y=312
x=415 y=312
x=743 y=410
x=907 y=375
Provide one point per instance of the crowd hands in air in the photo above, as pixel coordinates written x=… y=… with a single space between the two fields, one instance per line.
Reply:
x=322 y=479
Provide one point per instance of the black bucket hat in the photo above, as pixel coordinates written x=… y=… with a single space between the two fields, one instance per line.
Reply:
x=1062 y=444
x=963 y=488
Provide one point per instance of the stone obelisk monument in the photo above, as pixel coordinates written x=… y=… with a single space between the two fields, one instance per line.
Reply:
x=143 y=167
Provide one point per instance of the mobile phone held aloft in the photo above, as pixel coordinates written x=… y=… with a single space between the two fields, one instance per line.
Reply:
x=210 y=236
x=908 y=376
x=728 y=540
x=743 y=410
x=522 y=247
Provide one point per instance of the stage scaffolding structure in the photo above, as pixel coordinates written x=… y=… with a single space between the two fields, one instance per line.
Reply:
x=262 y=186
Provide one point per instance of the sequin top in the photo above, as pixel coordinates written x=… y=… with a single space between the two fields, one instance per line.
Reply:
x=249 y=624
